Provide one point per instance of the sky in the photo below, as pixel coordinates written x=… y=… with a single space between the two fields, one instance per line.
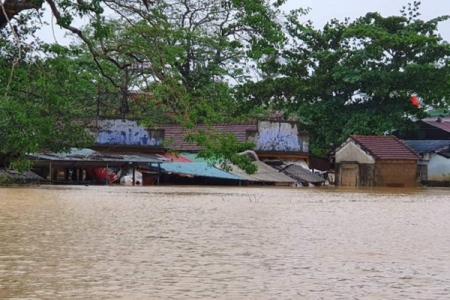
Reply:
x=325 y=10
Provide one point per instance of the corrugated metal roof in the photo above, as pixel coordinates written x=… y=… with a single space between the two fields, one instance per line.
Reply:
x=202 y=169
x=302 y=175
x=385 y=147
x=17 y=176
x=265 y=173
x=89 y=155
x=425 y=146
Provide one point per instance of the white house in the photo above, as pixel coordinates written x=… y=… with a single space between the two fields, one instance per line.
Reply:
x=434 y=164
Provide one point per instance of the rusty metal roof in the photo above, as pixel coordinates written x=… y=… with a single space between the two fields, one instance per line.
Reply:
x=92 y=157
x=444 y=125
x=385 y=147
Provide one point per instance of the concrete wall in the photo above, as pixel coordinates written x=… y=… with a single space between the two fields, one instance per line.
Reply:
x=352 y=152
x=438 y=168
x=126 y=132
x=396 y=173
x=280 y=137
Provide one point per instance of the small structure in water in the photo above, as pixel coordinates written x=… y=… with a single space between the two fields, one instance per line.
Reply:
x=383 y=161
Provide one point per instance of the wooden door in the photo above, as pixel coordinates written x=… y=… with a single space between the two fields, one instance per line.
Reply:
x=349 y=175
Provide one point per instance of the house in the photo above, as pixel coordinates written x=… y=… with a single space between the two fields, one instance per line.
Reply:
x=123 y=135
x=434 y=163
x=383 y=161
x=428 y=129
x=273 y=139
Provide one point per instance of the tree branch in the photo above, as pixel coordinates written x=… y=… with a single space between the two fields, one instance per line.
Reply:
x=11 y=8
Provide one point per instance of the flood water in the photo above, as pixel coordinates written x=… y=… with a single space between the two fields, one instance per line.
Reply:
x=223 y=243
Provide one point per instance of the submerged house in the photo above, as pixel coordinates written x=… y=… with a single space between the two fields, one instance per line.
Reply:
x=276 y=143
x=89 y=166
x=274 y=140
x=434 y=163
x=383 y=161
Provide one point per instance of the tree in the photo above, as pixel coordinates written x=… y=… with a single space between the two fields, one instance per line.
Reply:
x=358 y=77
x=39 y=100
x=195 y=52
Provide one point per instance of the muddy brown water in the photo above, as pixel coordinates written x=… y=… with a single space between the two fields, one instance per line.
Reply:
x=224 y=243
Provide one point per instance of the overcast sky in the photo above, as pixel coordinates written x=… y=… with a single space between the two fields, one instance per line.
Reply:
x=324 y=10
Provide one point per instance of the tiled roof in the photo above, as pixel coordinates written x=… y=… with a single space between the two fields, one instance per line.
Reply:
x=385 y=147
x=176 y=134
x=444 y=125
x=425 y=146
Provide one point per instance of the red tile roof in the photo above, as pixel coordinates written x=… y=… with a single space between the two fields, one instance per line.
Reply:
x=385 y=147
x=175 y=134
x=444 y=125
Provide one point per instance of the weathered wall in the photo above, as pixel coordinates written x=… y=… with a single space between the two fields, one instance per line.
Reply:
x=126 y=132
x=396 y=173
x=351 y=152
x=365 y=174
x=280 y=137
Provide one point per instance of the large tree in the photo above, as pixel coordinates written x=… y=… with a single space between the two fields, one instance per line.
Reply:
x=358 y=77
x=186 y=57
x=39 y=100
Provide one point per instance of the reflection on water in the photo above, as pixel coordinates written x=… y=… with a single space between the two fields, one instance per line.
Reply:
x=223 y=243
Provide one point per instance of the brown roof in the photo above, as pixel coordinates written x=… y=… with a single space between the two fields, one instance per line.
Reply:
x=385 y=147
x=176 y=134
x=444 y=125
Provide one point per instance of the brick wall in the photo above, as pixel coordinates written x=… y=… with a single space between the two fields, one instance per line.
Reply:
x=396 y=173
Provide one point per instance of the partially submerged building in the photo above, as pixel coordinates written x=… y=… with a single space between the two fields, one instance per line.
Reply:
x=127 y=148
x=383 y=161
x=434 y=163
x=87 y=165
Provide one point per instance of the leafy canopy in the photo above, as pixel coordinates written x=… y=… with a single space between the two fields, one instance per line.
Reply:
x=357 y=77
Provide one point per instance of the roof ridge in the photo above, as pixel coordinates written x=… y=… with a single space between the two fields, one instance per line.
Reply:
x=369 y=143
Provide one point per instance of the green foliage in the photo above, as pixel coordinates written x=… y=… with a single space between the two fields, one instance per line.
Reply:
x=39 y=100
x=357 y=77
x=172 y=61
x=5 y=180
x=223 y=148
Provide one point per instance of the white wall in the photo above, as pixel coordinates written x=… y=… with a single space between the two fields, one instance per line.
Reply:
x=279 y=136
x=125 y=132
x=352 y=152
x=438 y=168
